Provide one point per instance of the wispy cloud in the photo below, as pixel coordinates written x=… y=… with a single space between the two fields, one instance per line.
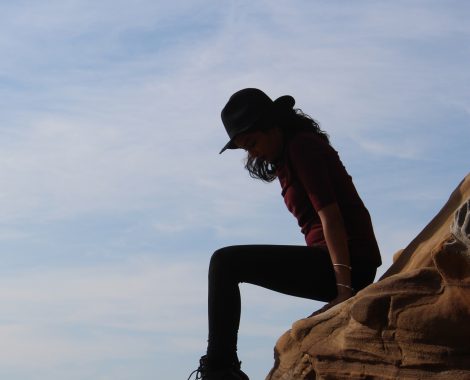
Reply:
x=109 y=134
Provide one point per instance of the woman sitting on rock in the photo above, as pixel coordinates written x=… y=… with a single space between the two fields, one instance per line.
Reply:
x=341 y=253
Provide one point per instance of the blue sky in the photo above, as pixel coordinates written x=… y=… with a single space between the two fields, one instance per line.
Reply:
x=113 y=195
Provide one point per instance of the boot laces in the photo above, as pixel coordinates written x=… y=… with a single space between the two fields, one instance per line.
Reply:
x=201 y=370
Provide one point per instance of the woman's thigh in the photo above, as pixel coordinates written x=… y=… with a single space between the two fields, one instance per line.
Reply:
x=295 y=270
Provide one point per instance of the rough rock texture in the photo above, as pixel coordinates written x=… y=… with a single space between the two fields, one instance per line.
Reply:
x=414 y=323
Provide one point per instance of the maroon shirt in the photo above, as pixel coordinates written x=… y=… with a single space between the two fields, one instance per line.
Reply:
x=312 y=176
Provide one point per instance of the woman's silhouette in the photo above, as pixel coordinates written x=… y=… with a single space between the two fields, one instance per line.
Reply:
x=341 y=253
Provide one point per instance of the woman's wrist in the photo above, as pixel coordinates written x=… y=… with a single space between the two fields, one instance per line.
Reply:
x=344 y=286
x=337 y=265
x=344 y=289
x=343 y=276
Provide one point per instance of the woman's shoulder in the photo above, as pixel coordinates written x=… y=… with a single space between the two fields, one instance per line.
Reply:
x=306 y=141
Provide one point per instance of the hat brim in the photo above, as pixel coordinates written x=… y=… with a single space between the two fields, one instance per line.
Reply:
x=283 y=102
x=231 y=143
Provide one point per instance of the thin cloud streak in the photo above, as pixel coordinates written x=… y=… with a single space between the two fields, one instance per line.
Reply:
x=110 y=133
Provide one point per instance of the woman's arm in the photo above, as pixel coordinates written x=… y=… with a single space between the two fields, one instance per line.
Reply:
x=336 y=240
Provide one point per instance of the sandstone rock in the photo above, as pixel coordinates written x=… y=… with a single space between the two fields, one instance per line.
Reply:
x=411 y=324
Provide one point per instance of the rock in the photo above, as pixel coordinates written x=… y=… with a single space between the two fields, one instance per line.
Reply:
x=411 y=324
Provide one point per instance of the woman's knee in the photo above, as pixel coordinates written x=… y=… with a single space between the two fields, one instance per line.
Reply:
x=222 y=260
x=219 y=257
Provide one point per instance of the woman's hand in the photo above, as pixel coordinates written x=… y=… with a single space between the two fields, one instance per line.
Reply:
x=343 y=296
x=340 y=298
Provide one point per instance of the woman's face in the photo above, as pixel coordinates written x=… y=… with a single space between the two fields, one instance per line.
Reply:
x=266 y=145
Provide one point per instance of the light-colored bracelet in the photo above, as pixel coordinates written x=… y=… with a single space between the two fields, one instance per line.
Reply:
x=342 y=265
x=345 y=286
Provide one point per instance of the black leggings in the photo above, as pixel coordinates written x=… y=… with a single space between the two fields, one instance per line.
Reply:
x=295 y=270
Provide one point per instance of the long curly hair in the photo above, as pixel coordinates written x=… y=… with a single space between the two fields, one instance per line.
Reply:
x=291 y=122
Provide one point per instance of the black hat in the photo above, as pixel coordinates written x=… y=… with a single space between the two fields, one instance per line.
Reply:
x=246 y=108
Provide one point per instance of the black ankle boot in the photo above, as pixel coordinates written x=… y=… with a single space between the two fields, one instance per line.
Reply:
x=205 y=372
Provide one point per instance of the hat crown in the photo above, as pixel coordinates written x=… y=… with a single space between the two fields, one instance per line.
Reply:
x=243 y=109
x=247 y=108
